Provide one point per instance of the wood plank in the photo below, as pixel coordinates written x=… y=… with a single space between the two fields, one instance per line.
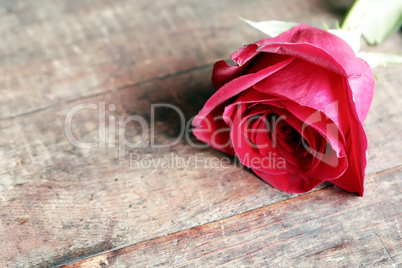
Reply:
x=328 y=228
x=57 y=51
x=60 y=203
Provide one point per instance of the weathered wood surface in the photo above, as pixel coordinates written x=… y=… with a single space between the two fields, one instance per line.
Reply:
x=327 y=228
x=61 y=204
x=58 y=51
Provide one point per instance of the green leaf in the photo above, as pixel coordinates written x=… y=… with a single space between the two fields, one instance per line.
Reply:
x=326 y=28
x=272 y=27
x=351 y=37
x=376 y=59
x=376 y=19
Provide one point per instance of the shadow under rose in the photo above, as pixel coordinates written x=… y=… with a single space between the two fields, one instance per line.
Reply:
x=173 y=102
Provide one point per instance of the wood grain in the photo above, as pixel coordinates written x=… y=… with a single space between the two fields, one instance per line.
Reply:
x=71 y=202
x=328 y=228
x=60 y=203
x=65 y=50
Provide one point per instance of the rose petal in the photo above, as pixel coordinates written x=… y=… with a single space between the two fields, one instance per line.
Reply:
x=235 y=87
x=223 y=73
x=311 y=44
x=304 y=114
x=353 y=179
x=363 y=91
x=248 y=155
x=328 y=165
x=289 y=183
x=301 y=80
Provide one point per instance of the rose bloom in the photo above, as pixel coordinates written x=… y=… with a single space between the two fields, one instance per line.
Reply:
x=291 y=109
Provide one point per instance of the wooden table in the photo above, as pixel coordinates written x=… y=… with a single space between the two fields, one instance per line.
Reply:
x=87 y=207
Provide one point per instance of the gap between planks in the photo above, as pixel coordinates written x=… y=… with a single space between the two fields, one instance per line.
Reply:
x=102 y=256
x=110 y=90
x=107 y=252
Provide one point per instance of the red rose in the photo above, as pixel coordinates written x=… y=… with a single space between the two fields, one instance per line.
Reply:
x=292 y=110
